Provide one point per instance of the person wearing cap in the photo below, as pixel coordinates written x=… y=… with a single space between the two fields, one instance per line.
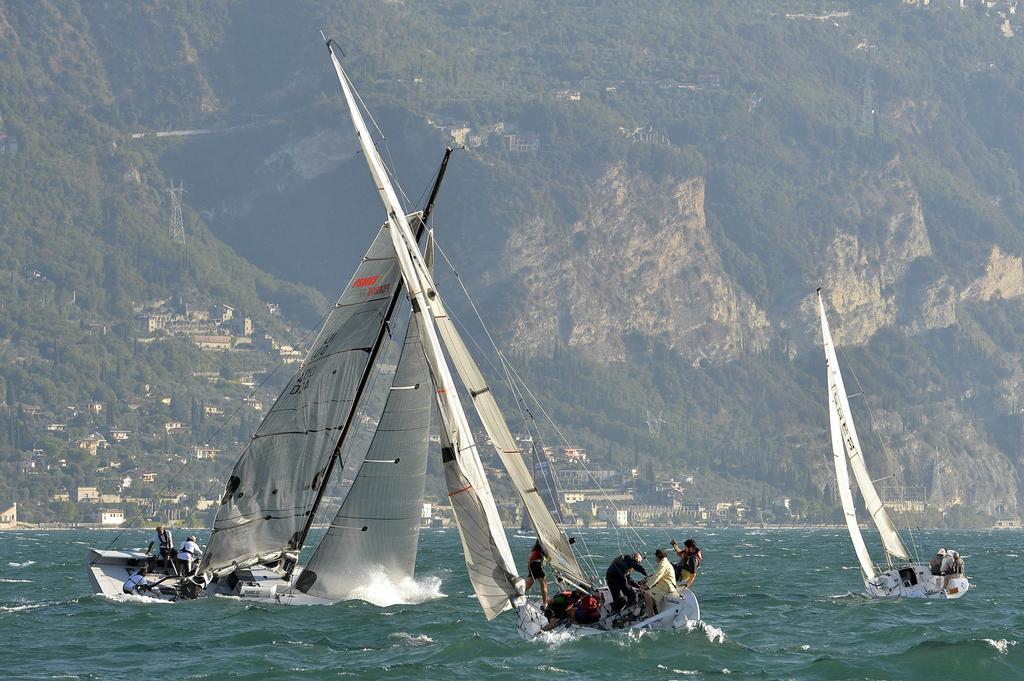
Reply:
x=935 y=564
x=187 y=553
x=660 y=584
x=620 y=586
x=165 y=542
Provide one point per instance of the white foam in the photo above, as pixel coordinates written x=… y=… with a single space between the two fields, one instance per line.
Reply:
x=383 y=592
x=714 y=634
x=16 y=581
x=402 y=637
x=132 y=598
x=805 y=647
x=1002 y=645
x=25 y=564
x=19 y=608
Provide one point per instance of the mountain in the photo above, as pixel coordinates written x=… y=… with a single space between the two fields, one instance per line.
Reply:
x=647 y=197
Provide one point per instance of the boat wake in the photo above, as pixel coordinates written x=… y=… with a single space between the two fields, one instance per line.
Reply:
x=383 y=592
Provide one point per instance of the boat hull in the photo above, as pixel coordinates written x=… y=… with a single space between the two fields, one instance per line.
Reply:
x=109 y=570
x=675 y=612
x=915 y=581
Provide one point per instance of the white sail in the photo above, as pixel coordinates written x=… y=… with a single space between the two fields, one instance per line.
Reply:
x=554 y=541
x=272 y=488
x=487 y=550
x=848 y=434
x=377 y=526
x=839 y=456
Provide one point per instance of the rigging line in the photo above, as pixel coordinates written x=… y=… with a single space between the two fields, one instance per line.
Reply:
x=216 y=433
x=505 y=361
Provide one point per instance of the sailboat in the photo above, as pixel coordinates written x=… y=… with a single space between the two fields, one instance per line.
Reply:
x=491 y=569
x=900 y=576
x=350 y=408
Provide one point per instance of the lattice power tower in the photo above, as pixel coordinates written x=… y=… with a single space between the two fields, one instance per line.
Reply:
x=177 y=223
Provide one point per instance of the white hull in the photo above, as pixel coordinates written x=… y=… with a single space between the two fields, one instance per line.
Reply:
x=676 y=612
x=110 y=569
x=915 y=581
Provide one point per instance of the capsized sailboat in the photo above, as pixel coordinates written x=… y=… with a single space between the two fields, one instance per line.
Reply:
x=360 y=404
x=900 y=577
x=492 y=571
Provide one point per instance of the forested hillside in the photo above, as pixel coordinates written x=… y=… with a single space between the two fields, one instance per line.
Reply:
x=644 y=199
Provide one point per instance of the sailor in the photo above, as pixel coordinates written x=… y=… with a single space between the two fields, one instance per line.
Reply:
x=660 y=584
x=187 y=553
x=948 y=567
x=691 y=558
x=617 y=577
x=588 y=611
x=162 y=538
x=958 y=564
x=136 y=584
x=535 y=565
x=935 y=564
x=559 y=608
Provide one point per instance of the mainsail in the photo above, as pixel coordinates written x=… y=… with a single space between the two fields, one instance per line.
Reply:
x=271 y=492
x=488 y=556
x=554 y=541
x=843 y=427
x=376 y=527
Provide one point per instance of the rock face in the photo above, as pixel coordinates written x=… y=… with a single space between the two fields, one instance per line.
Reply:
x=1003 y=278
x=863 y=267
x=639 y=260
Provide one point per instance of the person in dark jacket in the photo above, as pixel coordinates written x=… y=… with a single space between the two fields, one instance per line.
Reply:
x=935 y=564
x=619 y=584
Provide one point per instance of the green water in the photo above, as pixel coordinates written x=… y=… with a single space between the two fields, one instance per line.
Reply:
x=775 y=605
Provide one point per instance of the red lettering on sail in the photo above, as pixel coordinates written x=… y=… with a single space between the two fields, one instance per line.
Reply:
x=365 y=281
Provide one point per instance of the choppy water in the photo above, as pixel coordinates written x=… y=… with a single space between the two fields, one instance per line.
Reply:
x=776 y=605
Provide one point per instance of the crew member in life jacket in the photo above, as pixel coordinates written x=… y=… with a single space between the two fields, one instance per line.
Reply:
x=588 y=611
x=162 y=539
x=660 y=584
x=690 y=558
x=188 y=552
x=535 y=565
x=935 y=564
x=560 y=608
x=620 y=586
x=137 y=584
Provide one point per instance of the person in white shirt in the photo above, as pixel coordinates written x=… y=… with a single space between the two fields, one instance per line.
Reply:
x=136 y=584
x=165 y=542
x=188 y=552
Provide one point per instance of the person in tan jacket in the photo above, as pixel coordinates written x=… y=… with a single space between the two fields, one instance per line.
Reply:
x=660 y=584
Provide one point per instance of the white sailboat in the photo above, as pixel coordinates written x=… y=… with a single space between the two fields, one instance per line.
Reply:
x=900 y=576
x=360 y=403
x=489 y=562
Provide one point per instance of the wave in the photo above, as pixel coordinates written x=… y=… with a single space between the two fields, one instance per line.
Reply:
x=15 y=581
x=19 y=608
x=383 y=592
x=405 y=638
x=714 y=634
x=1002 y=645
x=25 y=564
